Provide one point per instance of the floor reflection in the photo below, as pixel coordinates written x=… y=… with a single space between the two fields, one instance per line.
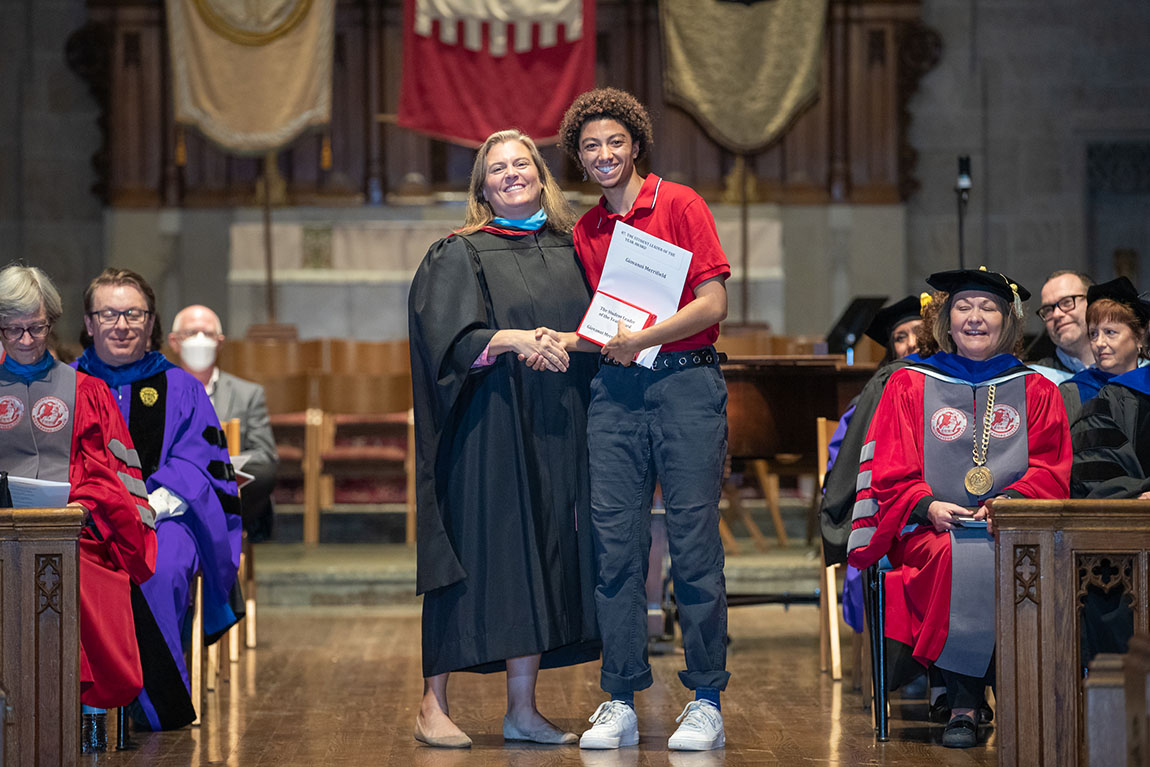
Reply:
x=340 y=688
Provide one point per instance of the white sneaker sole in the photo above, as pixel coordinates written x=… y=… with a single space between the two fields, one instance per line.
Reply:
x=697 y=745
x=600 y=744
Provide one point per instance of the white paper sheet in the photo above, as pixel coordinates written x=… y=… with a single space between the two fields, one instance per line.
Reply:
x=28 y=493
x=645 y=271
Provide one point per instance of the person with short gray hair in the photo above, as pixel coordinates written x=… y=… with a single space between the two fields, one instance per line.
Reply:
x=25 y=290
x=61 y=425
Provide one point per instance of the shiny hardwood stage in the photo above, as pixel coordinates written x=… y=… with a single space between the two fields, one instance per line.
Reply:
x=338 y=687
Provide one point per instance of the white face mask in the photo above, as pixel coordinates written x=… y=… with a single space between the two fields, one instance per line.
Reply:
x=198 y=352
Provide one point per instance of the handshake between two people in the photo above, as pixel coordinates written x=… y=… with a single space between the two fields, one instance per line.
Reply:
x=544 y=349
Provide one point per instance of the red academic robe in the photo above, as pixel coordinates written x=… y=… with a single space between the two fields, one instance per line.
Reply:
x=918 y=588
x=116 y=548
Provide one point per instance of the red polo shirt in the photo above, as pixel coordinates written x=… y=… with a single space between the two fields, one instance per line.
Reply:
x=671 y=212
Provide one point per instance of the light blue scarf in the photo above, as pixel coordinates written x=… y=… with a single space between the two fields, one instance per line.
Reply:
x=526 y=224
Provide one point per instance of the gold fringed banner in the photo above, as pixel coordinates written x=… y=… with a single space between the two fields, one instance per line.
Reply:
x=252 y=75
x=744 y=70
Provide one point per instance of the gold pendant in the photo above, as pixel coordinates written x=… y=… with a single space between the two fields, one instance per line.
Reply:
x=979 y=480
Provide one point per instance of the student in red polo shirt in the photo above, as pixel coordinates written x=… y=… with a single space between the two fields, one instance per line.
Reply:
x=667 y=424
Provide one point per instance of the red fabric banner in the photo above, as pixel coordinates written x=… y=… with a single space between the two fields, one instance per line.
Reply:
x=465 y=78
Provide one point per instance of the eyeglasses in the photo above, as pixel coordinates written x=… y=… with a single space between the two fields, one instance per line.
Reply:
x=1066 y=304
x=14 y=333
x=109 y=317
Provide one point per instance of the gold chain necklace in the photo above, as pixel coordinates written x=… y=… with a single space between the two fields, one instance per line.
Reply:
x=979 y=480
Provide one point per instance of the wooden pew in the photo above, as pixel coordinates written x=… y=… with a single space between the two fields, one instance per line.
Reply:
x=366 y=432
x=1104 y=696
x=1048 y=553
x=40 y=635
x=1136 y=670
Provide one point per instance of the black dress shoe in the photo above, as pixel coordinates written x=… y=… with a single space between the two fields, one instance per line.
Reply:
x=939 y=711
x=93 y=733
x=960 y=732
x=985 y=713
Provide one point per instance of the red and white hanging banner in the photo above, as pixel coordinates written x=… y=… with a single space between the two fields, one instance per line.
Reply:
x=473 y=67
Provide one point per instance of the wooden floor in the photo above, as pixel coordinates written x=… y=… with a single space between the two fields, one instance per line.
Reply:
x=338 y=687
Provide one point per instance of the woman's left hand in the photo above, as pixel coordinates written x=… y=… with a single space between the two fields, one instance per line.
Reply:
x=624 y=346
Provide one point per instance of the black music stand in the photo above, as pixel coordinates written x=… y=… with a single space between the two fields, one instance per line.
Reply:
x=853 y=322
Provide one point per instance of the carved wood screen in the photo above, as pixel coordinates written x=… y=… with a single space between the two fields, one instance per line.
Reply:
x=850 y=146
x=1051 y=555
x=40 y=636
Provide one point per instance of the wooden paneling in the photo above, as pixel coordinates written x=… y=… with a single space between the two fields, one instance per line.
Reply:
x=40 y=635
x=849 y=146
x=1048 y=552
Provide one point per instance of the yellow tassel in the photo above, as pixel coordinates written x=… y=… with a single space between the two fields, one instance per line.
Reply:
x=1017 y=301
x=325 y=153
x=924 y=300
x=181 y=148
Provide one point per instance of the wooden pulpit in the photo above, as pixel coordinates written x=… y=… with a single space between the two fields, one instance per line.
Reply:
x=1050 y=554
x=40 y=631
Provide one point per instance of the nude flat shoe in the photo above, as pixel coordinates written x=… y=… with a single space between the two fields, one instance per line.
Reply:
x=450 y=741
x=549 y=736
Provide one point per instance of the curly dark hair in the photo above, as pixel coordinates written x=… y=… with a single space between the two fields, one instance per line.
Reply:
x=611 y=104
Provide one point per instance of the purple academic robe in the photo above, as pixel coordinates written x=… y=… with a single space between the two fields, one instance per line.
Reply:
x=181 y=448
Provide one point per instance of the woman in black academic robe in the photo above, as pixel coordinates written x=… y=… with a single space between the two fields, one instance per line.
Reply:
x=505 y=563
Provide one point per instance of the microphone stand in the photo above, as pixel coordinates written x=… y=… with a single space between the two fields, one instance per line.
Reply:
x=962 y=188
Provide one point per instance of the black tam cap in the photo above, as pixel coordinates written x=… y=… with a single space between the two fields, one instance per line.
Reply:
x=1123 y=291
x=958 y=280
x=890 y=317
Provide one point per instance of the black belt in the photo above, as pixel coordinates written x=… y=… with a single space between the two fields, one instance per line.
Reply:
x=690 y=358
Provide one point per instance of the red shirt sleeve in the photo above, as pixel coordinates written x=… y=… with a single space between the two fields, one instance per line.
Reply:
x=707 y=257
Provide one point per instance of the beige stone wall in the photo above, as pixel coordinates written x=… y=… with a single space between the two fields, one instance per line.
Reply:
x=48 y=134
x=1023 y=87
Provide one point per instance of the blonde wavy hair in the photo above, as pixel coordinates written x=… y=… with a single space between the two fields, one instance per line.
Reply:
x=560 y=215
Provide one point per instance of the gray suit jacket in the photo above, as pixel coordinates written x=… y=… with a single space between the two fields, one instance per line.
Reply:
x=237 y=398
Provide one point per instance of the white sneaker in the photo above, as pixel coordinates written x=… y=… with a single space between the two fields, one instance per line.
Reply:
x=615 y=724
x=701 y=728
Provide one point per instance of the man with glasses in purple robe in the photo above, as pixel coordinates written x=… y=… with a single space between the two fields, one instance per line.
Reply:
x=190 y=483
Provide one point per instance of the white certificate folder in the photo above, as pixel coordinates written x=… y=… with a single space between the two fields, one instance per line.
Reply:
x=642 y=282
x=601 y=322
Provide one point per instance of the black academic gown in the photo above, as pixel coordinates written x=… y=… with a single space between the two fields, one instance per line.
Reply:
x=1112 y=440
x=841 y=479
x=505 y=560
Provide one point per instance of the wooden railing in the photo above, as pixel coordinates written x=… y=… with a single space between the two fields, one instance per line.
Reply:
x=40 y=635
x=1049 y=554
